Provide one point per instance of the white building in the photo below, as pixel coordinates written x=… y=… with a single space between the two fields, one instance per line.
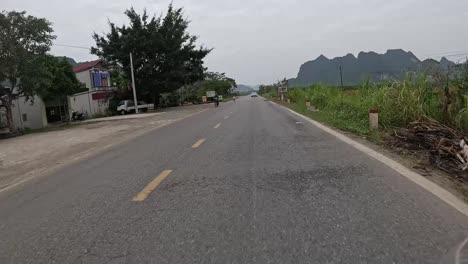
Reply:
x=96 y=78
x=27 y=114
x=35 y=113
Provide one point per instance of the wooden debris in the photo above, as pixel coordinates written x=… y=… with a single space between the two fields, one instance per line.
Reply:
x=447 y=146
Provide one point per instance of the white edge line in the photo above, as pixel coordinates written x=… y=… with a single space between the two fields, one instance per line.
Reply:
x=457 y=253
x=433 y=188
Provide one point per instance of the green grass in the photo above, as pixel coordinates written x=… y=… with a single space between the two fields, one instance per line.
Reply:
x=335 y=119
x=398 y=102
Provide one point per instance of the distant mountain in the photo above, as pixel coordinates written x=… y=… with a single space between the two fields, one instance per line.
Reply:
x=243 y=89
x=368 y=65
x=255 y=87
x=71 y=60
x=68 y=59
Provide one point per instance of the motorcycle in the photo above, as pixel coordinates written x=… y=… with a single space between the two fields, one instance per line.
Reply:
x=77 y=116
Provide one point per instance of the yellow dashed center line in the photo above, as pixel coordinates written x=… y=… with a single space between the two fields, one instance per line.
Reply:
x=198 y=143
x=151 y=186
x=218 y=125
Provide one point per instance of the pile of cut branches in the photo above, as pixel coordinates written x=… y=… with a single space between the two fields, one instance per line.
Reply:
x=448 y=147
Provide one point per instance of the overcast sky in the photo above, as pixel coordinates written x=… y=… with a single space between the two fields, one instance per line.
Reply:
x=261 y=41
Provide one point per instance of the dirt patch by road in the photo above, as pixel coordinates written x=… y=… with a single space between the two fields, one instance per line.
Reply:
x=28 y=156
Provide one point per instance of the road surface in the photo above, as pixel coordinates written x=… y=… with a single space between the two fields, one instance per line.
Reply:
x=248 y=182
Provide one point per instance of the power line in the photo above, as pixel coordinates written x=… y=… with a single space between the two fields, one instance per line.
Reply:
x=448 y=52
x=71 y=46
x=456 y=54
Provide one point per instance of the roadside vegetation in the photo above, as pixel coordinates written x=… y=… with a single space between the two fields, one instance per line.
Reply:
x=399 y=103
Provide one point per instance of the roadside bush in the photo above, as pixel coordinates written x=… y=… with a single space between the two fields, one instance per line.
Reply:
x=269 y=95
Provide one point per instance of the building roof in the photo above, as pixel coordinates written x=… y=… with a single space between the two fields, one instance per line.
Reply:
x=86 y=66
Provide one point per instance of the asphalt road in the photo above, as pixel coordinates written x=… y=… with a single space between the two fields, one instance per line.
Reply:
x=243 y=183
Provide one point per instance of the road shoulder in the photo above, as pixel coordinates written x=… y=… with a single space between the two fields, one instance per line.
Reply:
x=30 y=156
x=447 y=195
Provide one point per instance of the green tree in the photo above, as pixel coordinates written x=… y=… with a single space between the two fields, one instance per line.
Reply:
x=263 y=89
x=24 y=40
x=213 y=81
x=57 y=80
x=119 y=80
x=219 y=82
x=216 y=76
x=122 y=89
x=221 y=87
x=165 y=55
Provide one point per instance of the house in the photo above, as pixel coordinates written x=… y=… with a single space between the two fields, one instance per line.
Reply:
x=95 y=100
x=37 y=113
x=94 y=75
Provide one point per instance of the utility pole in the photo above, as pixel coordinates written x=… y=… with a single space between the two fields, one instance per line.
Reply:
x=341 y=77
x=19 y=113
x=133 y=84
x=448 y=77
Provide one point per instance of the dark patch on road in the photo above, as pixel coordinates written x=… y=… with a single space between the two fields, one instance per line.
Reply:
x=313 y=182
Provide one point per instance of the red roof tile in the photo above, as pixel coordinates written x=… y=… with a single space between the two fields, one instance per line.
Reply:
x=85 y=66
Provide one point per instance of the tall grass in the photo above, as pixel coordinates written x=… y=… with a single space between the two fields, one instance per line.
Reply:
x=461 y=119
x=399 y=103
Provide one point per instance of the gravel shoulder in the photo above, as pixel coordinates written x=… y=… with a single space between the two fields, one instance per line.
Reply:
x=32 y=155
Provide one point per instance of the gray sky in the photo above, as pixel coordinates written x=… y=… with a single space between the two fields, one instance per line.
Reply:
x=260 y=41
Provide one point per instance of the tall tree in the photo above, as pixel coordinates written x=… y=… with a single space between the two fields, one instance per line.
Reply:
x=213 y=81
x=216 y=76
x=57 y=80
x=165 y=55
x=60 y=79
x=24 y=40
